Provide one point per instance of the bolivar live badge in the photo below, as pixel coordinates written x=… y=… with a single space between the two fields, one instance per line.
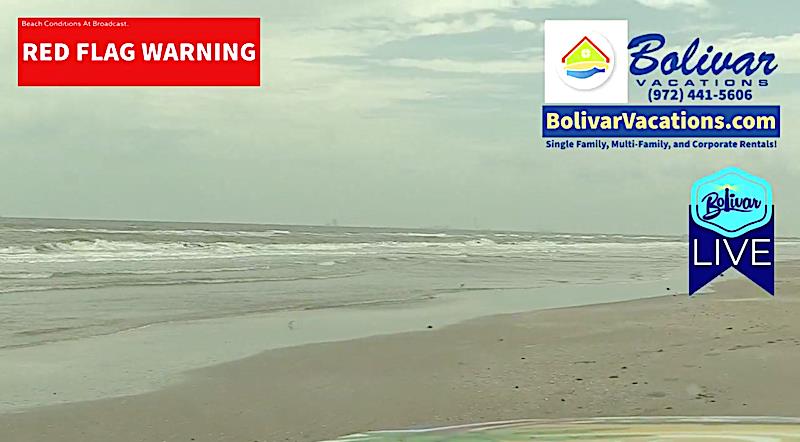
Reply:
x=731 y=224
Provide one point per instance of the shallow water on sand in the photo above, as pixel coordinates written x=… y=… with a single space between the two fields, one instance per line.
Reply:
x=64 y=279
x=652 y=429
x=93 y=309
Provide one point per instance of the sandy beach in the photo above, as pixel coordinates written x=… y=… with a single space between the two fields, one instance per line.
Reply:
x=732 y=352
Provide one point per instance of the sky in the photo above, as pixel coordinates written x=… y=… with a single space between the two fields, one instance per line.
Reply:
x=406 y=113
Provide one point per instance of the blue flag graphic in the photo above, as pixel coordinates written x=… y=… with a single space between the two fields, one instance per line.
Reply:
x=731 y=224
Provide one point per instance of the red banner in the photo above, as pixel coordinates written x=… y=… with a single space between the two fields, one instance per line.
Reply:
x=138 y=51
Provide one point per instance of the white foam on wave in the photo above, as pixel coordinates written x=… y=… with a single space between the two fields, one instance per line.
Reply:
x=185 y=232
x=108 y=250
x=20 y=275
x=418 y=234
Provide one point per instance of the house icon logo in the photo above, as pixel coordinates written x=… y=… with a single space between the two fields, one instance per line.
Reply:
x=588 y=63
x=581 y=58
x=585 y=60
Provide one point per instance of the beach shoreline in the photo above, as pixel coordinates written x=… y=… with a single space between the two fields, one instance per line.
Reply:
x=731 y=352
x=145 y=359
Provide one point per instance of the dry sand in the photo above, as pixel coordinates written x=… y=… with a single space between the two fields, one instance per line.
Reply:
x=732 y=352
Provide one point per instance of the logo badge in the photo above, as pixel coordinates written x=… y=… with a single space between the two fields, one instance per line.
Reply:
x=731 y=202
x=580 y=58
x=731 y=224
x=588 y=64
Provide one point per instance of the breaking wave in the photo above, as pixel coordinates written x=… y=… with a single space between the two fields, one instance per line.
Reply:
x=161 y=232
x=122 y=250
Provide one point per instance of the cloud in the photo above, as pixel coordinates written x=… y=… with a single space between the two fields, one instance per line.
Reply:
x=471 y=66
x=785 y=47
x=353 y=28
x=360 y=38
x=298 y=52
x=419 y=10
x=367 y=29
x=670 y=4
x=344 y=89
x=464 y=25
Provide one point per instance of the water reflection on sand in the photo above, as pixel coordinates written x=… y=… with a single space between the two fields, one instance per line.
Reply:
x=706 y=429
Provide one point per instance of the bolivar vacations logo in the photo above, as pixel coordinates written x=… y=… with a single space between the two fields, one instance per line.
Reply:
x=580 y=58
x=731 y=224
x=589 y=63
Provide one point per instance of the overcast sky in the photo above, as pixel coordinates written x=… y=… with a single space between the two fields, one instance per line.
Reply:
x=411 y=113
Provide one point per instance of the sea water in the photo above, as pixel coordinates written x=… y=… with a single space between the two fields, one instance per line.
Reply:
x=92 y=309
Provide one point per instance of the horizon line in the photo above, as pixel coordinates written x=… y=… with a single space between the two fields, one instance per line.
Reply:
x=344 y=226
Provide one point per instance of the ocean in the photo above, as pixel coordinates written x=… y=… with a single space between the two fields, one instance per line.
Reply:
x=97 y=309
x=63 y=279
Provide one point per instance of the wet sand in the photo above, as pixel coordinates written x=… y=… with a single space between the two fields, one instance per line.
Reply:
x=732 y=352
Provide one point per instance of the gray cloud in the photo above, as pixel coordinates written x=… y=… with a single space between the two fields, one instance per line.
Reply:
x=405 y=113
